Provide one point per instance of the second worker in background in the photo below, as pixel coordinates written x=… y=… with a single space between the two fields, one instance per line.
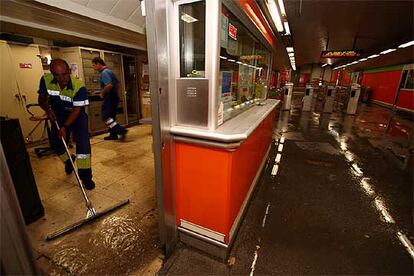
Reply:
x=109 y=86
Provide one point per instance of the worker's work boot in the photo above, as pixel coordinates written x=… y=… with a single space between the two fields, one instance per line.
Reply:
x=88 y=184
x=68 y=166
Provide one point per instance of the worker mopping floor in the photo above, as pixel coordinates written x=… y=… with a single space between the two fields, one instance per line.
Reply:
x=122 y=242
x=91 y=213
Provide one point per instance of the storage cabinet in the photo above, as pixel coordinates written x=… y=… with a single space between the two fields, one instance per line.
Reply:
x=20 y=72
x=80 y=61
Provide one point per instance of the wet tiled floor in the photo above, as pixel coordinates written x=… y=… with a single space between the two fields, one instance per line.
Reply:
x=335 y=197
x=122 y=242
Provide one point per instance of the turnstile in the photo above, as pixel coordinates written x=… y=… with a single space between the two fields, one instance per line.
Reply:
x=307 y=98
x=353 y=99
x=287 y=97
x=329 y=100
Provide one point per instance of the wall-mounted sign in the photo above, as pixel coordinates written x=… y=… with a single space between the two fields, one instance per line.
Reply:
x=25 y=65
x=340 y=53
x=232 y=31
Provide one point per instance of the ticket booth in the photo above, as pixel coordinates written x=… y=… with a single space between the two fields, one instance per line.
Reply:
x=212 y=122
x=353 y=99
x=307 y=98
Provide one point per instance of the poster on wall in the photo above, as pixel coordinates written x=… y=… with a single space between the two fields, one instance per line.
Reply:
x=226 y=82
x=224 y=30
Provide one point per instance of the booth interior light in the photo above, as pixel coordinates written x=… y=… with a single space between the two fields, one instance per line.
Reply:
x=406 y=44
x=387 y=51
x=188 y=18
x=274 y=13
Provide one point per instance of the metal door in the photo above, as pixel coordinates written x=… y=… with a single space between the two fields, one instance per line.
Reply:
x=21 y=70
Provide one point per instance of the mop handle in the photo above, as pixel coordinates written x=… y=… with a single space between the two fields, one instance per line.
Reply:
x=87 y=201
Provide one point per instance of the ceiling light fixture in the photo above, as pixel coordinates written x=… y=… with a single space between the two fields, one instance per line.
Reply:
x=282 y=7
x=363 y=59
x=406 y=44
x=274 y=13
x=324 y=65
x=289 y=49
x=373 y=56
x=387 y=51
x=291 y=54
x=287 y=30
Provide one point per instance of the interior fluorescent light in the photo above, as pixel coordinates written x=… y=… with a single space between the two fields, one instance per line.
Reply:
x=223 y=57
x=282 y=7
x=406 y=44
x=188 y=18
x=287 y=30
x=373 y=56
x=387 y=51
x=274 y=13
x=363 y=59
x=324 y=65
x=289 y=49
x=291 y=54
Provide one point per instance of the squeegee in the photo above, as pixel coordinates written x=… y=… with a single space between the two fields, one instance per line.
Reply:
x=91 y=213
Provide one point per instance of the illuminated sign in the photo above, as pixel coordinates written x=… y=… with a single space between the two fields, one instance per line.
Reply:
x=340 y=54
x=232 y=31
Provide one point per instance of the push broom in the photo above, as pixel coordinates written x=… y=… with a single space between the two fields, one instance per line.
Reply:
x=91 y=213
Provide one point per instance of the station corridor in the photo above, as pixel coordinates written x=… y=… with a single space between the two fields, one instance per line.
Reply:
x=334 y=198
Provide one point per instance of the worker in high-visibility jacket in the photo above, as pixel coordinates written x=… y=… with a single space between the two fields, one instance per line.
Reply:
x=64 y=99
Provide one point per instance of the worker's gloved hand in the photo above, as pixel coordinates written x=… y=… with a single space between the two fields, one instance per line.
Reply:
x=101 y=94
x=62 y=132
x=51 y=115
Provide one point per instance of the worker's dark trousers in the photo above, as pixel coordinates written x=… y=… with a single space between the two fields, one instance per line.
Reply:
x=83 y=146
x=109 y=106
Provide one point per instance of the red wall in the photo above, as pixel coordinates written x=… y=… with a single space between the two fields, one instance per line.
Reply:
x=406 y=99
x=383 y=85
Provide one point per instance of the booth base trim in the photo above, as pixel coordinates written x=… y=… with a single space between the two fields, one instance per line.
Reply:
x=202 y=230
x=203 y=243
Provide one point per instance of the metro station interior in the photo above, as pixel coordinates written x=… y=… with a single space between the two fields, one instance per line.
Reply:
x=264 y=137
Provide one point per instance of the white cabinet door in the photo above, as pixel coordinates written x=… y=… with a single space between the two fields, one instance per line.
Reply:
x=21 y=70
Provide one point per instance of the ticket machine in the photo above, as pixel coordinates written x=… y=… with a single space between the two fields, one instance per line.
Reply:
x=307 y=98
x=353 y=99
x=329 y=99
x=287 y=97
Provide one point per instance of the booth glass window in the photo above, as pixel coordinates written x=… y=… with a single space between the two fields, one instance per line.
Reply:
x=244 y=65
x=192 y=39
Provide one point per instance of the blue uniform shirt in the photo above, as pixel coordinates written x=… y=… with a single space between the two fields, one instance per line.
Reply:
x=108 y=77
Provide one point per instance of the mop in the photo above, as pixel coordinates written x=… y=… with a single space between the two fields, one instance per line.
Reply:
x=91 y=213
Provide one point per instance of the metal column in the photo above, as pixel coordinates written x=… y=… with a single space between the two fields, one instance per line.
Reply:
x=158 y=59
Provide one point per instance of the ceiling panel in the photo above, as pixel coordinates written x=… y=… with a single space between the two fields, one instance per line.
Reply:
x=137 y=18
x=104 y=6
x=125 y=8
x=82 y=2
